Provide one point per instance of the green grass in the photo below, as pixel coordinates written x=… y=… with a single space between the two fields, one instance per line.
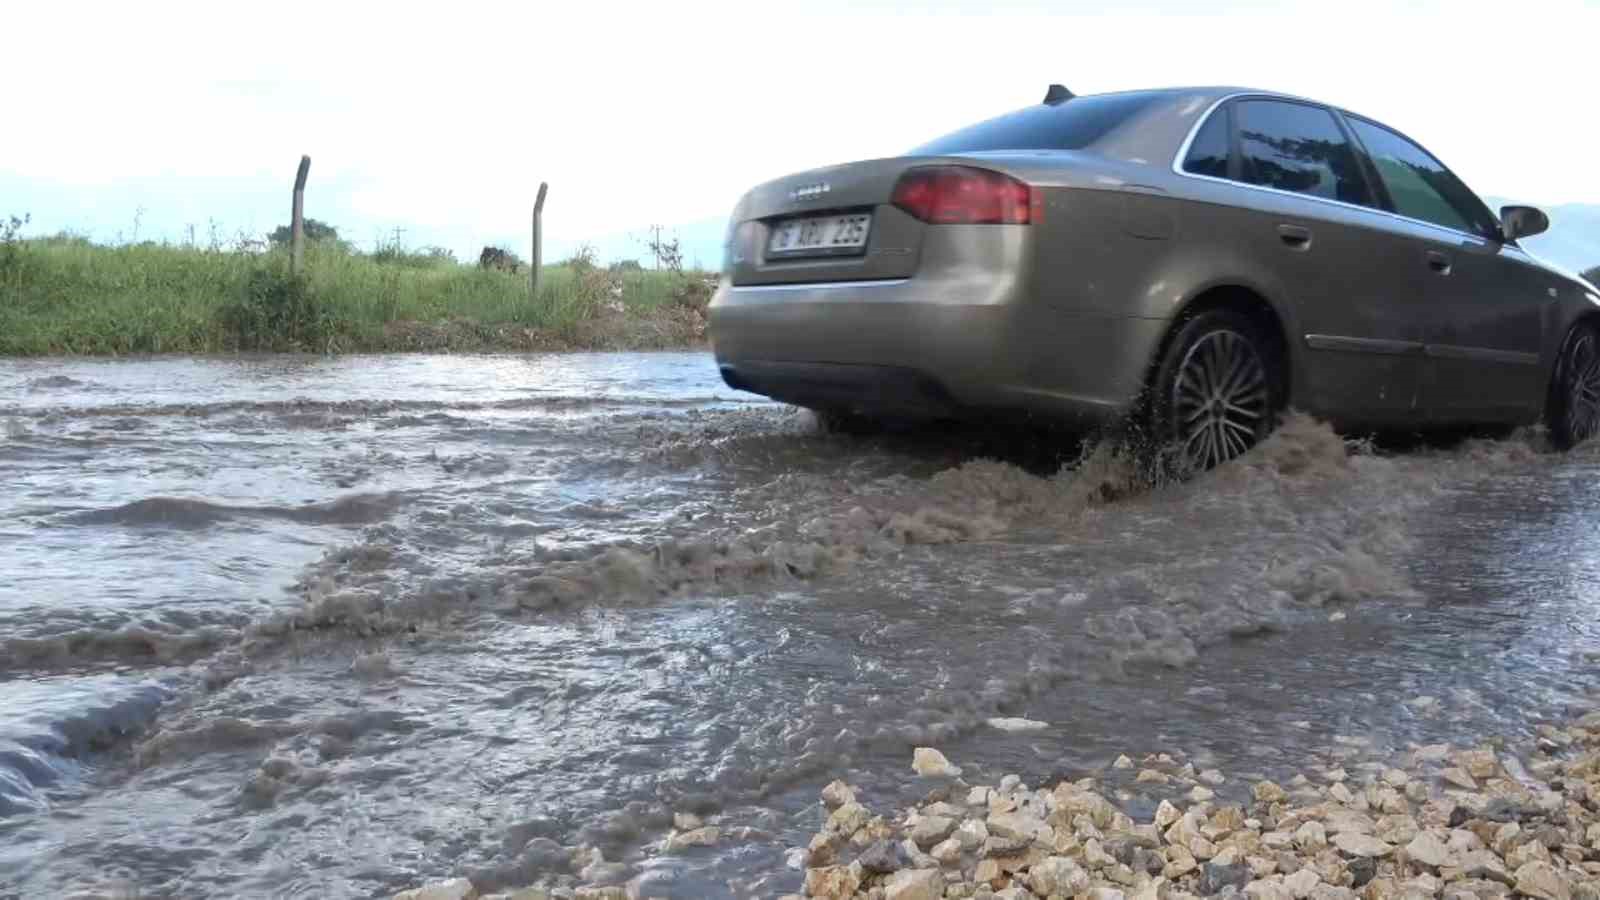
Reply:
x=68 y=296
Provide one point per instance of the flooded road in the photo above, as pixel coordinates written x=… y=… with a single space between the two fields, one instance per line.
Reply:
x=337 y=627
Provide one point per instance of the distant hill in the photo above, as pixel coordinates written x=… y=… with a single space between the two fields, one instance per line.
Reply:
x=1573 y=241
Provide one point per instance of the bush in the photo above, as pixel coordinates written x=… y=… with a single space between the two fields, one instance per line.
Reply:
x=316 y=232
x=278 y=311
x=396 y=254
x=11 y=248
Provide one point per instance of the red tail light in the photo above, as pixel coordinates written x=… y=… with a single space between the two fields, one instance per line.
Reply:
x=948 y=195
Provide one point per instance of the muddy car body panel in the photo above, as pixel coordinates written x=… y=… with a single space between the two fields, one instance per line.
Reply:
x=1160 y=204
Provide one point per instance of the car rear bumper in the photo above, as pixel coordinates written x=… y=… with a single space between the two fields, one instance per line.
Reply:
x=920 y=349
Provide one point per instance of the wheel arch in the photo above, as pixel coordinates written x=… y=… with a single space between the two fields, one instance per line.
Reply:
x=1589 y=316
x=1247 y=300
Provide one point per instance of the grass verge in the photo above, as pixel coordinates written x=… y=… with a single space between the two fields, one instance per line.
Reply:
x=66 y=295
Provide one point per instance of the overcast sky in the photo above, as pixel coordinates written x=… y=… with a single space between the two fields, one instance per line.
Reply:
x=442 y=118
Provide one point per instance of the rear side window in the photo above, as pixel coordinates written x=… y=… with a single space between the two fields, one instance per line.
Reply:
x=1299 y=148
x=1072 y=125
x=1208 y=155
x=1420 y=186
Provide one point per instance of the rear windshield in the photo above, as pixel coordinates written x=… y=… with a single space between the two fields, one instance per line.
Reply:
x=1072 y=125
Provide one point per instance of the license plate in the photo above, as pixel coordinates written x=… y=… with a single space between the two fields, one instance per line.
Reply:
x=841 y=234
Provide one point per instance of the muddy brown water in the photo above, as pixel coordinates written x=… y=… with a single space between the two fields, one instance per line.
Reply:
x=313 y=627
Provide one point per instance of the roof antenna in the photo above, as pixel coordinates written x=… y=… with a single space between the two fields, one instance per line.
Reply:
x=1057 y=94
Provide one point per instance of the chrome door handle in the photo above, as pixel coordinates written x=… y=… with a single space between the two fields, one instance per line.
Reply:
x=1295 y=237
x=1439 y=262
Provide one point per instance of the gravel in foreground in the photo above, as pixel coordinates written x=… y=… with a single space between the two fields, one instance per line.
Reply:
x=1436 y=822
x=1460 y=824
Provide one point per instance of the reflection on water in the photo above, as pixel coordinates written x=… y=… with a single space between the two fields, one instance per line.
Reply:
x=287 y=626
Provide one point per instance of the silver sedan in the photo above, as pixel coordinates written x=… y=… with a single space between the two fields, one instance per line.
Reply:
x=1193 y=261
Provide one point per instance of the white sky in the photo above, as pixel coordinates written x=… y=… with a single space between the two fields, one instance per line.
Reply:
x=442 y=118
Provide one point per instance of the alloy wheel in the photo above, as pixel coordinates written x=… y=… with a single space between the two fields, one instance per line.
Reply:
x=1221 y=399
x=1583 y=389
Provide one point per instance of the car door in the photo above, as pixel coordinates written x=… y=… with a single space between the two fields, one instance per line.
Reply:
x=1356 y=297
x=1485 y=299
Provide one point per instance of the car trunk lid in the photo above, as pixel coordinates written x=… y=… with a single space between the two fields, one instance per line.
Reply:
x=830 y=224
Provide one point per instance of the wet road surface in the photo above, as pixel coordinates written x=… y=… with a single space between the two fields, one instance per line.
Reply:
x=293 y=626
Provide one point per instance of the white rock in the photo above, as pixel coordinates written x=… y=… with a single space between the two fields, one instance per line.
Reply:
x=454 y=889
x=848 y=819
x=1355 y=844
x=1122 y=762
x=1200 y=794
x=699 y=837
x=1464 y=841
x=685 y=821
x=1429 y=850
x=837 y=794
x=1342 y=820
x=914 y=884
x=1057 y=875
x=1278 y=840
x=978 y=796
x=930 y=830
x=1095 y=857
x=1270 y=792
x=1483 y=864
x=1166 y=814
x=930 y=763
x=1017 y=726
x=1154 y=889
x=1311 y=836
x=1481 y=763
x=1267 y=890
x=972 y=833
x=1541 y=880
x=1015 y=826
x=946 y=851
x=1184 y=830
x=1422 y=885
x=1302 y=883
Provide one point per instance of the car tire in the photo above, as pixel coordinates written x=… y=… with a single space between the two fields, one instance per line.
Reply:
x=1216 y=393
x=1572 y=411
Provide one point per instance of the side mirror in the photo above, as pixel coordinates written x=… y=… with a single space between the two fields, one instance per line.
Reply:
x=1522 y=221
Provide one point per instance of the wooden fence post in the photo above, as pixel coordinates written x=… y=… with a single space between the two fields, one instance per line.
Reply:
x=534 y=260
x=297 y=223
